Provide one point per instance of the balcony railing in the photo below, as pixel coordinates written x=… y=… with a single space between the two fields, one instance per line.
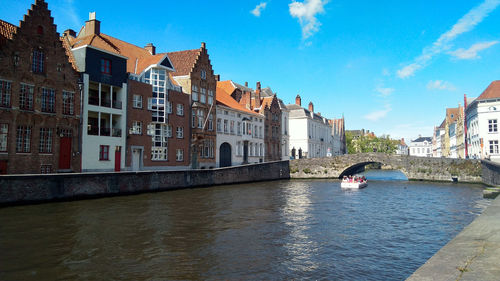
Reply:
x=117 y=132
x=105 y=132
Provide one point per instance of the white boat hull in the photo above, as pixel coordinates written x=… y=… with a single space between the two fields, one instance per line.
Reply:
x=353 y=185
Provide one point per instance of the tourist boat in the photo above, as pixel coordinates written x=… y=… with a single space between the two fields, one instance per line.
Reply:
x=355 y=183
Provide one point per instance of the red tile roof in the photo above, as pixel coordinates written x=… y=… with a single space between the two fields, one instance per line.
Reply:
x=223 y=97
x=227 y=86
x=452 y=111
x=67 y=48
x=138 y=58
x=183 y=61
x=492 y=92
x=7 y=30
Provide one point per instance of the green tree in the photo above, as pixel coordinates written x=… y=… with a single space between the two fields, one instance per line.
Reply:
x=364 y=144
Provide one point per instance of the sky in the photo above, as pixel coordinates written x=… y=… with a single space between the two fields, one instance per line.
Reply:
x=391 y=67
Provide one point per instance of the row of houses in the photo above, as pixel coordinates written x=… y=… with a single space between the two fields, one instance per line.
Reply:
x=469 y=131
x=88 y=101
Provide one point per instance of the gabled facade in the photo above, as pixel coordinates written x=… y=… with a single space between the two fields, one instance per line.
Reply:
x=194 y=73
x=270 y=108
x=240 y=132
x=157 y=113
x=451 y=117
x=39 y=98
x=482 y=119
x=402 y=148
x=436 y=140
x=338 y=135
x=285 y=135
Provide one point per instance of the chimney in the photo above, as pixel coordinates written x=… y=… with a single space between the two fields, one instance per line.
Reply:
x=311 y=106
x=92 y=26
x=70 y=33
x=217 y=77
x=257 y=95
x=246 y=84
x=298 y=100
x=203 y=45
x=151 y=48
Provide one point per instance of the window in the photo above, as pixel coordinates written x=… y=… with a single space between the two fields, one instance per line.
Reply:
x=210 y=122
x=105 y=66
x=38 y=58
x=492 y=126
x=203 y=74
x=4 y=133
x=45 y=140
x=231 y=127
x=238 y=128
x=45 y=169
x=200 y=118
x=160 y=136
x=219 y=125
x=5 y=93
x=225 y=126
x=26 y=97
x=203 y=95
x=194 y=93
x=136 y=128
x=48 y=100
x=493 y=146
x=137 y=101
x=180 y=109
x=210 y=96
x=68 y=103
x=23 y=139
x=39 y=30
x=169 y=131
x=180 y=132
x=169 y=107
x=193 y=118
x=179 y=155
x=103 y=152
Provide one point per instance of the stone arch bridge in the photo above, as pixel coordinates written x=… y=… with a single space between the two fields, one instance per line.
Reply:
x=415 y=168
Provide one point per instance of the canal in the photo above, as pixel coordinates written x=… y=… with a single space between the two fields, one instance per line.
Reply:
x=264 y=231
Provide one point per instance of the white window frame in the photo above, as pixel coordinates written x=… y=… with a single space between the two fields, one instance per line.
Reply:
x=137 y=101
x=180 y=109
x=180 y=132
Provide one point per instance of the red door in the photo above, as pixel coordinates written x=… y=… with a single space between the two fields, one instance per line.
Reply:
x=3 y=167
x=118 y=158
x=65 y=153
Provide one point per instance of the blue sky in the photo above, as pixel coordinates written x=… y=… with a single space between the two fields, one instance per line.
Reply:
x=389 y=66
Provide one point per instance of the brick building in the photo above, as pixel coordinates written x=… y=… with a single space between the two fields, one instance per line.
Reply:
x=157 y=112
x=39 y=97
x=269 y=106
x=194 y=73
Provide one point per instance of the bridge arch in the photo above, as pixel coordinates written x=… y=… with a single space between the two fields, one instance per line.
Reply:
x=359 y=167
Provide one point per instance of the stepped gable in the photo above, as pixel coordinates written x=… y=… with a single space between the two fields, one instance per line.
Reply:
x=492 y=92
x=184 y=61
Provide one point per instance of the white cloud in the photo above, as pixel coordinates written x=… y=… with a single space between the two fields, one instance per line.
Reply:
x=376 y=115
x=471 y=53
x=306 y=13
x=443 y=43
x=258 y=9
x=385 y=92
x=440 y=85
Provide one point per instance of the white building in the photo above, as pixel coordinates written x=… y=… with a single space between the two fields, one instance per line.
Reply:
x=422 y=146
x=240 y=133
x=436 y=141
x=104 y=96
x=453 y=140
x=483 y=115
x=285 y=136
x=310 y=133
x=402 y=148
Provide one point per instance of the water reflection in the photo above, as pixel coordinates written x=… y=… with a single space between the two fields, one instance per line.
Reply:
x=272 y=230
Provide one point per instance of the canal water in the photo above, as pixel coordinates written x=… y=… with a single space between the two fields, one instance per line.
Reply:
x=263 y=231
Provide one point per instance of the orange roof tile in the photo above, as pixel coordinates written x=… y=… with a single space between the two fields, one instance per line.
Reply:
x=183 y=61
x=227 y=86
x=172 y=79
x=69 y=53
x=225 y=98
x=452 y=111
x=7 y=30
x=265 y=102
x=493 y=91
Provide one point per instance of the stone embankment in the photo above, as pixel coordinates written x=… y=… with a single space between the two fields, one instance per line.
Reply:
x=17 y=189
x=474 y=254
x=415 y=168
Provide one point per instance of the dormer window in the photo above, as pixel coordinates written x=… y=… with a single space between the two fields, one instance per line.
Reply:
x=203 y=74
x=105 y=66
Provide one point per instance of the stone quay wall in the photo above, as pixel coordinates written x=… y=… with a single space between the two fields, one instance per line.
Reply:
x=19 y=189
x=415 y=168
x=491 y=172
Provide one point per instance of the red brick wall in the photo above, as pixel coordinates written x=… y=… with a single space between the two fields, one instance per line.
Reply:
x=37 y=31
x=175 y=121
